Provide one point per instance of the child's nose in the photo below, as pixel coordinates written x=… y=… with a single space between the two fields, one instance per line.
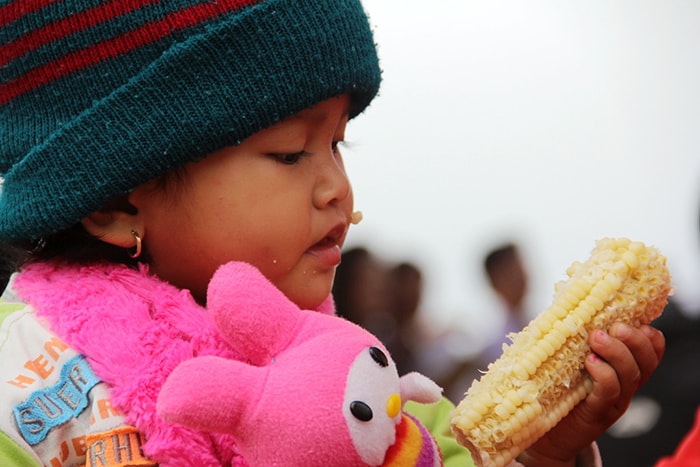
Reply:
x=333 y=184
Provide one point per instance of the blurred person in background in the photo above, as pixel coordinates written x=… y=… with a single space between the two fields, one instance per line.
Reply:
x=405 y=291
x=383 y=299
x=361 y=292
x=508 y=278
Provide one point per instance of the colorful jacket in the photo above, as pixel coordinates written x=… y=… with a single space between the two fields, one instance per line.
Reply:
x=56 y=412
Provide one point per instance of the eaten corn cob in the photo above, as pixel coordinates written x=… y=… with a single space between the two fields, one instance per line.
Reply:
x=540 y=376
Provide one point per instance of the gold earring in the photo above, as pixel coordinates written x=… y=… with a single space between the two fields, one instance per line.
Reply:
x=136 y=253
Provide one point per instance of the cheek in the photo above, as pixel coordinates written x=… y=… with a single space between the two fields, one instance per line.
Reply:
x=272 y=244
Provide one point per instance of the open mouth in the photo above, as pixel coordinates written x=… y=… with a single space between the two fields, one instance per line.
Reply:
x=327 y=242
x=327 y=250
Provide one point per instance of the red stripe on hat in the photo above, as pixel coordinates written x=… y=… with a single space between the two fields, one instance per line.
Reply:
x=120 y=45
x=14 y=10
x=65 y=27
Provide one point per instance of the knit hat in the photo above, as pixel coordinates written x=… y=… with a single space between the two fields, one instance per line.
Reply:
x=100 y=96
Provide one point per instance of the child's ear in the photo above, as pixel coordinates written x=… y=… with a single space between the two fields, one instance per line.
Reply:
x=114 y=226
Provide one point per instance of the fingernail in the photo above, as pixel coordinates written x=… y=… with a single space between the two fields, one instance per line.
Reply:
x=600 y=336
x=621 y=330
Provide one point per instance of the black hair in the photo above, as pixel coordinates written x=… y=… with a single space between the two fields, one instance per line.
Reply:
x=73 y=245
x=77 y=245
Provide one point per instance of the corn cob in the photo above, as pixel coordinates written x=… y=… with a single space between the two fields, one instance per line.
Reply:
x=540 y=376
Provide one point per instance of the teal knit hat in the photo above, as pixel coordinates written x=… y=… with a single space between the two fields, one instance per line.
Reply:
x=100 y=96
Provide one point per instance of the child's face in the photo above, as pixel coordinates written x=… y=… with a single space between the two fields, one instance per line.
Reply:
x=281 y=200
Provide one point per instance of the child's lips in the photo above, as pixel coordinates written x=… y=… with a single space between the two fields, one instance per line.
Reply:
x=327 y=251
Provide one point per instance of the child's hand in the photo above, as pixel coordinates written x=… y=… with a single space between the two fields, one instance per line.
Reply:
x=623 y=361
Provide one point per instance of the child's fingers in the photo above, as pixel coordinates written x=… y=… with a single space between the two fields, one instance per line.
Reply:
x=646 y=345
x=623 y=360
x=619 y=364
x=658 y=342
x=603 y=403
x=588 y=420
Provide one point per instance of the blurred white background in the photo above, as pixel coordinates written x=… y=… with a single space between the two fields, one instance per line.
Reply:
x=551 y=123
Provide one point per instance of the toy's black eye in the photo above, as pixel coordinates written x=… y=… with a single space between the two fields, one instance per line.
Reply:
x=361 y=411
x=378 y=356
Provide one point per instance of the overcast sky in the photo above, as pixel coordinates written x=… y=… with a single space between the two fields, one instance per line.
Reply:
x=552 y=123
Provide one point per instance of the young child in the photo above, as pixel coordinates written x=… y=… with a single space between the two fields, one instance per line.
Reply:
x=143 y=145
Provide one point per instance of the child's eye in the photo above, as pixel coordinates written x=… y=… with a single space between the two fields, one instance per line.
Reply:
x=289 y=159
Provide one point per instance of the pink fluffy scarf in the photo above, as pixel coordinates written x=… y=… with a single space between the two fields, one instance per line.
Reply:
x=134 y=329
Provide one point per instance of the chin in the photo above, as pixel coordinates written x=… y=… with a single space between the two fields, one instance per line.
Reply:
x=308 y=294
x=310 y=298
x=308 y=303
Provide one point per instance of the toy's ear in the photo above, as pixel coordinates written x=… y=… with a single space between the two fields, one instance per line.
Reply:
x=210 y=393
x=419 y=388
x=254 y=317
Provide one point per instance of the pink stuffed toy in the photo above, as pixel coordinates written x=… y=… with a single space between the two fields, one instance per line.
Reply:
x=316 y=390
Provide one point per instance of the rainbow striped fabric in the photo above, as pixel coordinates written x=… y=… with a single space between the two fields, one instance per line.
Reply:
x=414 y=446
